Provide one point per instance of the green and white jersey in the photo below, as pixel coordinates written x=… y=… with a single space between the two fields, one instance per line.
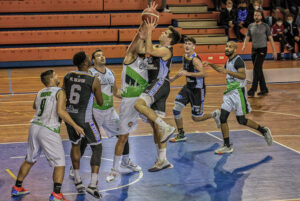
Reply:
x=233 y=65
x=46 y=109
x=107 y=81
x=134 y=78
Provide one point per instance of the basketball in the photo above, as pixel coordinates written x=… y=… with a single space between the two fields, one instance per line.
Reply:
x=150 y=14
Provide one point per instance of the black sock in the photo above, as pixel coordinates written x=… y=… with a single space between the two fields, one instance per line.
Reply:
x=261 y=129
x=18 y=183
x=180 y=131
x=56 y=188
x=227 y=142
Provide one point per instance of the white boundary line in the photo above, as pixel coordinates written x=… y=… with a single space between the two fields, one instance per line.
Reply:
x=275 y=142
x=288 y=199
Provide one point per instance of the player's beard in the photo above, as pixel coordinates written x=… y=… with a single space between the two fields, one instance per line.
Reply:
x=228 y=54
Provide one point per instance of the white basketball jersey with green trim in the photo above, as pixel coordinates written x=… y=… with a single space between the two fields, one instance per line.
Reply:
x=46 y=109
x=134 y=78
x=107 y=81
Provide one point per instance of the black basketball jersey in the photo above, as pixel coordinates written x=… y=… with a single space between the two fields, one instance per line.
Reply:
x=192 y=82
x=78 y=87
x=159 y=68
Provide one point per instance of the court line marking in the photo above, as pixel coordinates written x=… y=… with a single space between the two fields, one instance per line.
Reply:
x=42 y=156
x=275 y=142
x=11 y=174
x=288 y=199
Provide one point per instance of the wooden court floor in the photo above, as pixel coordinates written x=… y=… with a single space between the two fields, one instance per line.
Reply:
x=279 y=110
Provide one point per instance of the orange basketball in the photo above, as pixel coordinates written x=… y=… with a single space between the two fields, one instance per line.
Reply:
x=150 y=14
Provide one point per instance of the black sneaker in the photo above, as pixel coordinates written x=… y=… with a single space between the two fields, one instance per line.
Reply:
x=94 y=192
x=262 y=93
x=251 y=93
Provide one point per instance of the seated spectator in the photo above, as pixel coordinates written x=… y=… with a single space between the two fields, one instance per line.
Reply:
x=240 y=21
x=291 y=34
x=227 y=16
x=256 y=6
x=271 y=20
x=251 y=4
x=293 y=6
x=280 y=6
x=278 y=35
x=217 y=4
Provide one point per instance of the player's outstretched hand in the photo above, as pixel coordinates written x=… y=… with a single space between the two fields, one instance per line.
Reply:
x=153 y=5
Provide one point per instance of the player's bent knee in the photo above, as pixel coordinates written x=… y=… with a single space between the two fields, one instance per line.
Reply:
x=96 y=156
x=242 y=120
x=177 y=110
x=224 y=116
x=123 y=138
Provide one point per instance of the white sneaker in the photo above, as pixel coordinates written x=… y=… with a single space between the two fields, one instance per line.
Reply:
x=71 y=173
x=130 y=165
x=268 y=136
x=160 y=165
x=112 y=175
x=224 y=150
x=167 y=133
x=80 y=187
x=216 y=115
x=295 y=56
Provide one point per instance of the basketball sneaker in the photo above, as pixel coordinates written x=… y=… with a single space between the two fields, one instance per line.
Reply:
x=94 y=192
x=216 y=115
x=112 y=175
x=167 y=133
x=57 y=197
x=178 y=138
x=268 y=136
x=16 y=191
x=80 y=187
x=224 y=150
x=131 y=166
x=71 y=173
x=160 y=165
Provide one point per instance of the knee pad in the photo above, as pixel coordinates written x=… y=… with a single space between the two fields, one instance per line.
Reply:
x=242 y=120
x=224 y=116
x=96 y=155
x=177 y=110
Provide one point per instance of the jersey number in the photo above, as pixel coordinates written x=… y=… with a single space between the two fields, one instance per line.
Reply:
x=75 y=94
x=42 y=106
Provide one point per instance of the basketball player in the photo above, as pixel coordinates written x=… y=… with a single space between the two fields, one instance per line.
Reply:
x=81 y=87
x=235 y=97
x=152 y=102
x=134 y=82
x=50 y=105
x=194 y=90
x=106 y=115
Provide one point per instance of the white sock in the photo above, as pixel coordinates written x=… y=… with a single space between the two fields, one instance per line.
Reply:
x=157 y=149
x=162 y=154
x=160 y=122
x=125 y=158
x=94 y=179
x=116 y=163
x=77 y=176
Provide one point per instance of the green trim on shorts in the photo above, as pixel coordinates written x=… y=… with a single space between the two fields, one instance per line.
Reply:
x=55 y=130
x=243 y=103
x=232 y=86
x=107 y=102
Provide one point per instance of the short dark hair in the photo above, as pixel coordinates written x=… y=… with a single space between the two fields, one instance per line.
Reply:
x=290 y=15
x=259 y=11
x=97 y=50
x=79 y=58
x=45 y=77
x=174 y=35
x=190 y=39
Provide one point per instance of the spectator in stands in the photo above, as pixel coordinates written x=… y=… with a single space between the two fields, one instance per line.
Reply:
x=251 y=3
x=256 y=5
x=228 y=16
x=298 y=18
x=292 y=34
x=271 y=20
x=280 y=6
x=218 y=5
x=294 y=6
x=278 y=35
x=240 y=21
